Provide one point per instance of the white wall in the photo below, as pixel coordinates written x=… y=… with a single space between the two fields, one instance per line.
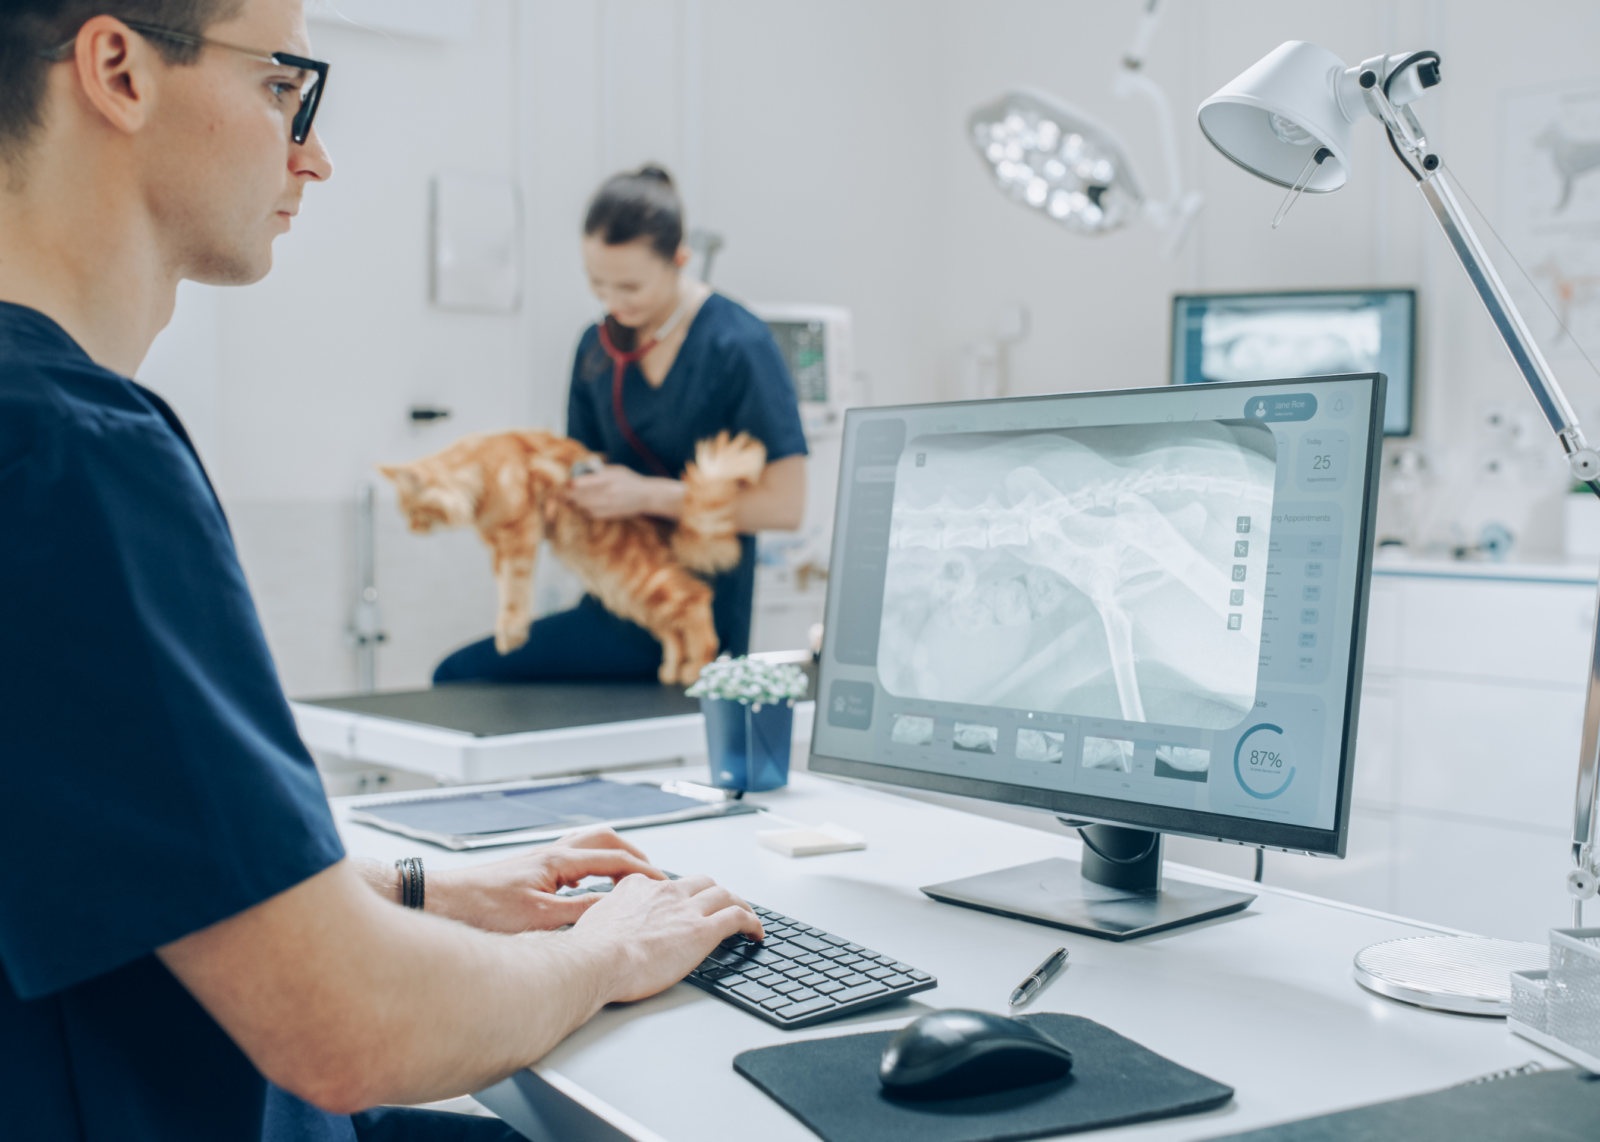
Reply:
x=825 y=140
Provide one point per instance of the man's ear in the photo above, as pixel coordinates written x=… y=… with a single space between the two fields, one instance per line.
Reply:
x=116 y=70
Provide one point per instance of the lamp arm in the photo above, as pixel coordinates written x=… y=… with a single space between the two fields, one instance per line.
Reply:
x=1581 y=459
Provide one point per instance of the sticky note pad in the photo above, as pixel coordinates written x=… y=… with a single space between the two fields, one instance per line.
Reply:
x=824 y=838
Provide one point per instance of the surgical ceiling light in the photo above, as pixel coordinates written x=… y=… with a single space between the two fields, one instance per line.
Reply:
x=1053 y=158
x=1288 y=119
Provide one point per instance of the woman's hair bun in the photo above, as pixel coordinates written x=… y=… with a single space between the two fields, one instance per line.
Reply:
x=638 y=204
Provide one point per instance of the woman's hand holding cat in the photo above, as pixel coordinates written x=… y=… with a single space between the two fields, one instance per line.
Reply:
x=518 y=894
x=616 y=492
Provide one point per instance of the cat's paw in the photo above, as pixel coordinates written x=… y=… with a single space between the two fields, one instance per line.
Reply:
x=689 y=673
x=510 y=636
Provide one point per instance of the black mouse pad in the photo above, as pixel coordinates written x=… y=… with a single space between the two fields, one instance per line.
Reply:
x=832 y=1086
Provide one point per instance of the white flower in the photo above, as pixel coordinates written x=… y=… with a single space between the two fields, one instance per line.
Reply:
x=753 y=683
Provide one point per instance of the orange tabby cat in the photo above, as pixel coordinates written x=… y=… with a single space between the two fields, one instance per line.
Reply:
x=508 y=484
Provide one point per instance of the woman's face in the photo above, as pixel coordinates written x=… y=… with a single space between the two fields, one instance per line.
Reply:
x=634 y=282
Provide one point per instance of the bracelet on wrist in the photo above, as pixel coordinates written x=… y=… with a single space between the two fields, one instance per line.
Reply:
x=412 y=882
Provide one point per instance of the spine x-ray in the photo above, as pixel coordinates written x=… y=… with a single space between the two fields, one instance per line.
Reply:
x=1105 y=572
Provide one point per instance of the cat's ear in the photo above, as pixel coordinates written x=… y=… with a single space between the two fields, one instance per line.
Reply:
x=403 y=475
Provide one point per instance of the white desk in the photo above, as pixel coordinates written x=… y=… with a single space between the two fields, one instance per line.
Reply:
x=1263 y=1000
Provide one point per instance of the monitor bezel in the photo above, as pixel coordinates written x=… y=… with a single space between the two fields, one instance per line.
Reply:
x=1352 y=291
x=1159 y=818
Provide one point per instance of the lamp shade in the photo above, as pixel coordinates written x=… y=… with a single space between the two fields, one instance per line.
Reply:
x=1055 y=159
x=1272 y=119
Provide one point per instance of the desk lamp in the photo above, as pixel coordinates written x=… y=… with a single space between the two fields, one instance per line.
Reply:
x=1288 y=119
x=1055 y=159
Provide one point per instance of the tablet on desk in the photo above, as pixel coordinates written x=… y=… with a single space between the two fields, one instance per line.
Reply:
x=530 y=811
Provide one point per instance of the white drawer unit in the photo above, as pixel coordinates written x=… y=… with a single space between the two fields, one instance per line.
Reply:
x=1467 y=752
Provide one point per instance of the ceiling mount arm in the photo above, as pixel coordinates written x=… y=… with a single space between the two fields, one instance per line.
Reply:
x=1179 y=209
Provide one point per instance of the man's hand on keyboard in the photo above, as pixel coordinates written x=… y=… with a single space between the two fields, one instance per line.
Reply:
x=518 y=894
x=656 y=931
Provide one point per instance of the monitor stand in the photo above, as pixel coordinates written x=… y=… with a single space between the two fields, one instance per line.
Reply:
x=1115 y=893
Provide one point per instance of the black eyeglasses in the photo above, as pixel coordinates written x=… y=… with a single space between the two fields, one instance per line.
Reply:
x=310 y=89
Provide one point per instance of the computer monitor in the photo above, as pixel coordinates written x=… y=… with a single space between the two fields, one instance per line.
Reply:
x=1251 y=336
x=1140 y=610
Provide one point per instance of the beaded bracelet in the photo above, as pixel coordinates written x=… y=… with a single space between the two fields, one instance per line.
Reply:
x=412 y=883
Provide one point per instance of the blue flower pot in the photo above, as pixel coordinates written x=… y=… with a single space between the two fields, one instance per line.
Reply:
x=748 y=749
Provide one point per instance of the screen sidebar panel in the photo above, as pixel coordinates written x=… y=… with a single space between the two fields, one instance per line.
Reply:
x=1201 y=678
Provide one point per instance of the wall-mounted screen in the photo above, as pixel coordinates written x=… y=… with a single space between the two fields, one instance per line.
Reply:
x=1256 y=336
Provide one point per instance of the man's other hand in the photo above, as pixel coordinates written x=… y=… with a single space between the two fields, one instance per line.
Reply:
x=658 y=930
x=518 y=894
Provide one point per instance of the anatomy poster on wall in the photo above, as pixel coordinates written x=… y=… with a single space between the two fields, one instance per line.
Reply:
x=1115 y=571
x=1550 y=211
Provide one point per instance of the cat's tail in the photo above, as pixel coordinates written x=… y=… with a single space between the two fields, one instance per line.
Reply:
x=706 y=539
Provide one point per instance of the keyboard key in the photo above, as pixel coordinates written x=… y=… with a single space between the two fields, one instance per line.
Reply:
x=832 y=987
x=849 y=961
x=811 y=979
x=716 y=973
x=809 y=1007
x=854 y=980
x=754 y=992
x=878 y=973
x=851 y=994
x=839 y=940
x=775 y=1002
x=919 y=976
x=803 y=994
x=787 y=987
x=838 y=973
x=899 y=967
x=809 y=960
x=811 y=943
x=760 y=955
x=896 y=980
x=857 y=948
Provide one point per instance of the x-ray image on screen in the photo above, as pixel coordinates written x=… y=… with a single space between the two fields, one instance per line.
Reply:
x=1243 y=345
x=1113 y=571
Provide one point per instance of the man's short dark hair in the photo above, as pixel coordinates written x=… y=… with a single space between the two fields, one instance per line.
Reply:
x=28 y=27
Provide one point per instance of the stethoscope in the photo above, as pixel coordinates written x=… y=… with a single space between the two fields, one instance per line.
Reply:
x=619 y=365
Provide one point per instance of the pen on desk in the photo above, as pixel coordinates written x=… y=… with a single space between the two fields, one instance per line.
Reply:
x=1042 y=975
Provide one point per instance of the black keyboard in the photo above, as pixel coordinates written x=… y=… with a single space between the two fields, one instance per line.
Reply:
x=801 y=975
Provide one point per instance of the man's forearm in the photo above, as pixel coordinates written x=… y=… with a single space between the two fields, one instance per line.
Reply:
x=348 y=1003
x=384 y=879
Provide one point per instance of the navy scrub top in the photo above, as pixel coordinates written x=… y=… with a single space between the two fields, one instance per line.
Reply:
x=728 y=375
x=154 y=782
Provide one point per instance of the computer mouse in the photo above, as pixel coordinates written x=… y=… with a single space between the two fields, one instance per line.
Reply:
x=958 y=1053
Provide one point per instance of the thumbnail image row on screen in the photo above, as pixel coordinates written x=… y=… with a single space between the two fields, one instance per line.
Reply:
x=1175 y=762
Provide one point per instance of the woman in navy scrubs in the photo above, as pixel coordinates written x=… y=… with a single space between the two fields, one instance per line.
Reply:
x=673 y=363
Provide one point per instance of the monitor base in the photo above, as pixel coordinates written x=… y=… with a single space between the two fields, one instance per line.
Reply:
x=1054 y=892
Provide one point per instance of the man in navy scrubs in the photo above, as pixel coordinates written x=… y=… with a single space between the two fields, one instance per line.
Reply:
x=185 y=950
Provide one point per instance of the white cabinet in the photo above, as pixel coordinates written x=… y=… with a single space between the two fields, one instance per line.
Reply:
x=1466 y=759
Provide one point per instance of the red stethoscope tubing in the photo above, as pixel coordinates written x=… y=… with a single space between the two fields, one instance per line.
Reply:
x=619 y=367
